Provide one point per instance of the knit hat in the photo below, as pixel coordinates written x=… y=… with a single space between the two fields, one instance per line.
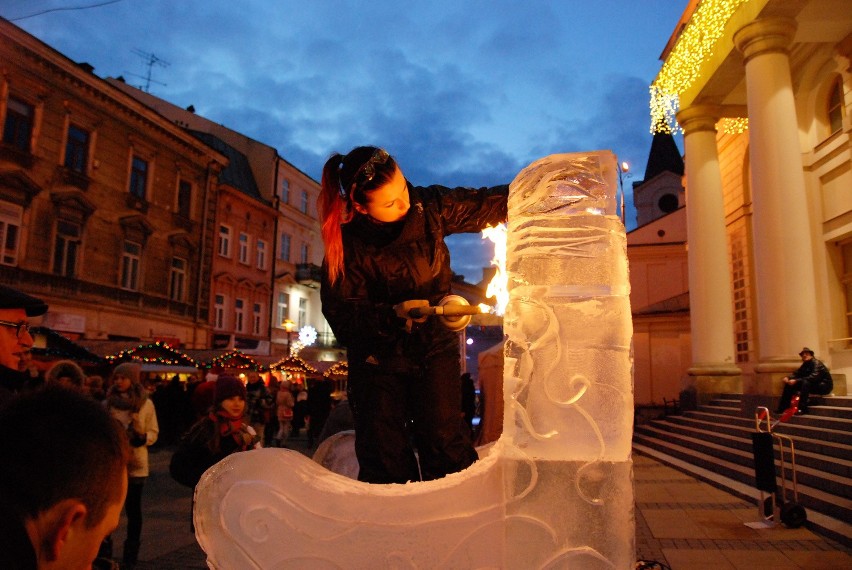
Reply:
x=228 y=387
x=128 y=369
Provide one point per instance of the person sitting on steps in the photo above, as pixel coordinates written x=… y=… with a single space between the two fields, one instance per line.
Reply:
x=811 y=377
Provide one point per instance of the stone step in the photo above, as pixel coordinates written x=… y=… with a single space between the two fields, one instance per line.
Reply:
x=820 y=472
x=812 y=454
x=811 y=498
x=836 y=401
x=817 y=444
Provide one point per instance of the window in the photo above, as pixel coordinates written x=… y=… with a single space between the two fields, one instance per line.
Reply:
x=65 y=248
x=184 y=198
x=304 y=253
x=284 y=252
x=739 y=274
x=18 y=129
x=261 y=254
x=239 y=315
x=138 y=177
x=304 y=205
x=130 y=266
x=244 y=247
x=77 y=149
x=177 y=281
x=846 y=279
x=285 y=191
x=219 y=312
x=11 y=216
x=256 y=319
x=835 y=107
x=303 y=312
x=224 y=241
x=283 y=312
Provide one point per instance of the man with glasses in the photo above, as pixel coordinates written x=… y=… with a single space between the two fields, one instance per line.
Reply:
x=15 y=341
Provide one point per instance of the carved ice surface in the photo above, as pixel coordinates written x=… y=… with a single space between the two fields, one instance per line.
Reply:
x=555 y=491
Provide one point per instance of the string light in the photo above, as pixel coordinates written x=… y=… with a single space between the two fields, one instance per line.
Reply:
x=234 y=359
x=683 y=65
x=734 y=126
x=155 y=352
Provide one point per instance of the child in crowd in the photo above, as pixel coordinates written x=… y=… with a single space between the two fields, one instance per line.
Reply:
x=222 y=432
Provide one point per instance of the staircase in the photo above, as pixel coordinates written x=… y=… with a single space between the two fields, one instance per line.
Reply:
x=714 y=443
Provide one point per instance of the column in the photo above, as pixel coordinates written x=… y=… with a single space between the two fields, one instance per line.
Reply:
x=784 y=273
x=710 y=298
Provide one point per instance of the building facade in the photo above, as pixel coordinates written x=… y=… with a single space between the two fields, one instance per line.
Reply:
x=762 y=90
x=105 y=206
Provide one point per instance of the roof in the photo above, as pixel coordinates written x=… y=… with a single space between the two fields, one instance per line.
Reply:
x=664 y=156
x=238 y=173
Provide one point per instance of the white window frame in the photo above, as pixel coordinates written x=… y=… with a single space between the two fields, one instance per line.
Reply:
x=303 y=206
x=283 y=309
x=243 y=254
x=261 y=254
x=11 y=220
x=220 y=303
x=131 y=262
x=257 y=318
x=239 y=314
x=305 y=253
x=224 y=240
x=286 y=245
x=303 y=312
x=177 y=279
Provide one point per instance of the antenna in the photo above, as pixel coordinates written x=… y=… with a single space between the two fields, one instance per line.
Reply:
x=150 y=61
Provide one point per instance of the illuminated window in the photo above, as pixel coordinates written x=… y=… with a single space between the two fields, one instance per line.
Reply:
x=303 y=312
x=283 y=312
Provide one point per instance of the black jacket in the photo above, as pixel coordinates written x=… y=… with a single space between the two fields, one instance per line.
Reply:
x=817 y=375
x=386 y=264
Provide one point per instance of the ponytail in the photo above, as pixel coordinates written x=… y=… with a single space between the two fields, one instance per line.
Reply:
x=332 y=210
x=342 y=184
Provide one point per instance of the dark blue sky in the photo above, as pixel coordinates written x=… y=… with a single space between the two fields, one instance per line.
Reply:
x=462 y=93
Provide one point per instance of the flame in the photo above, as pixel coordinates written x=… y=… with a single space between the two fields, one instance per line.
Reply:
x=499 y=283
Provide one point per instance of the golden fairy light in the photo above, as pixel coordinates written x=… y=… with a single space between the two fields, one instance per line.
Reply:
x=683 y=65
x=499 y=285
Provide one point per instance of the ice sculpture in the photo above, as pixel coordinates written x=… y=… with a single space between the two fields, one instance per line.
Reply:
x=555 y=491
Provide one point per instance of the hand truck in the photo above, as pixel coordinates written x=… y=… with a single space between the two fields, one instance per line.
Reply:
x=777 y=506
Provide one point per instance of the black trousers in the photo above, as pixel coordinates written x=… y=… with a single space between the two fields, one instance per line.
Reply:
x=133 y=508
x=406 y=405
x=804 y=388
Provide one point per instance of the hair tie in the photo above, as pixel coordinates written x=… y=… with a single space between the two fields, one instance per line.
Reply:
x=340 y=189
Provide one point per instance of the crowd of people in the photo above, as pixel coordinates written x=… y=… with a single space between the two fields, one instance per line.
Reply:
x=85 y=457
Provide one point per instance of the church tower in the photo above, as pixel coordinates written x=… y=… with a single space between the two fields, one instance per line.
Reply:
x=661 y=192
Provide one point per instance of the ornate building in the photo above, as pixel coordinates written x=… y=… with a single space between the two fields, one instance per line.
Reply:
x=761 y=90
x=106 y=208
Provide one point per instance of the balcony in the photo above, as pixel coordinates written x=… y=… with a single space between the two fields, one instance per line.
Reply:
x=73 y=177
x=309 y=275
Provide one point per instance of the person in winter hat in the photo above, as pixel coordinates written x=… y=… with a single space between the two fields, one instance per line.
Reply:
x=127 y=401
x=67 y=374
x=222 y=432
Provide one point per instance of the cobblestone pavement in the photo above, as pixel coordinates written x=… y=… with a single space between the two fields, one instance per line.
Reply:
x=680 y=521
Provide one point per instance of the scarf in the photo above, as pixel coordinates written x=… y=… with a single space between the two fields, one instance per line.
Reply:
x=229 y=426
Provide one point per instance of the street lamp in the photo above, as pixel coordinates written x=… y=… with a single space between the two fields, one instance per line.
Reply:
x=289 y=326
x=623 y=172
